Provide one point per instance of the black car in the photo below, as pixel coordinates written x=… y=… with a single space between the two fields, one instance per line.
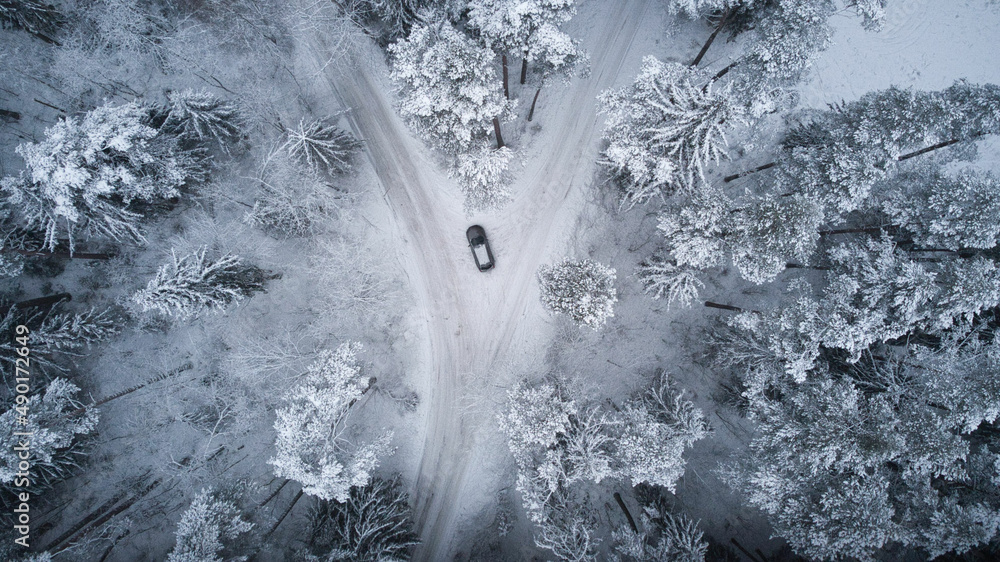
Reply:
x=480 y=247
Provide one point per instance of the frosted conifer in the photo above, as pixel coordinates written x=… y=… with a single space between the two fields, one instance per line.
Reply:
x=311 y=447
x=584 y=290
x=449 y=89
x=192 y=283
x=322 y=146
x=55 y=435
x=205 y=527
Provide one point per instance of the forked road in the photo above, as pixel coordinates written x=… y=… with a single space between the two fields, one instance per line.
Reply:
x=472 y=318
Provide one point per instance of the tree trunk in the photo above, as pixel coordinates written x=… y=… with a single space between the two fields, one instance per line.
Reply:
x=73 y=255
x=104 y=518
x=10 y=114
x=524 y=70
x=496 y=129
x=800 y=266
x=295 y=500
x=48 y=301
x=711 y=304
x=723 y=72
x=506 y=88
x=130 y=390
x=711 y=38
x=59 y=109
x=746 y=173
x=870 y=229
x=531 y=112
x=743 y=550
x=928 y=149
x=621 y=504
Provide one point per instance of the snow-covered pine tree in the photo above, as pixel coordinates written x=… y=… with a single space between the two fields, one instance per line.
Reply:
x=37 y=17
x=201 y=117
x=583 y=290
x=664 y=129
x=393 y=17
x=188 y=285
x=321 y=145
x=87 y=171
x=55 y=435
x=513 y=26
x=769 y=232
x=294 y=200
x=484 y=177
x=662 y=277
x=205 y=528
x=449 y=90
x=696 y=230
x=311 y=447
x=663 y=536
x=534 y=418
x=555 y=54
x=374 y=525
x=843 y=153
x=943 y=211
x=787 y=36
x=872 y=13
x=696 y=8
x=654 y=431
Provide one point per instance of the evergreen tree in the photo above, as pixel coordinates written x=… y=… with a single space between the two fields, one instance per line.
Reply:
x=484 y=177
x=664 y=129
x=664 y=278
x=88 y=172
x=449 y=91
x=206 y=526
x=584 y=290
x=520 y=27
x=188 y=285
x=55 y=436
x=322 y=146
x=202 y=117
x=311 y=446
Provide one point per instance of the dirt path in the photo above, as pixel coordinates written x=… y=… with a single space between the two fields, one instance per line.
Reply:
x=471 y=318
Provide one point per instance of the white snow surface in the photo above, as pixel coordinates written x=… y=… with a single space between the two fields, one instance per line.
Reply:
x=926 y=44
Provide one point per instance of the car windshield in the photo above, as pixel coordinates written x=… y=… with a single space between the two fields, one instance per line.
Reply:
x=478 y=241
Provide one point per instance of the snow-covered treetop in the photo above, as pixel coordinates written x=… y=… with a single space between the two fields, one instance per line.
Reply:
x=583 y=290
x=449 y=87
x=310 y=446
x=665 y=128
x=510 y=25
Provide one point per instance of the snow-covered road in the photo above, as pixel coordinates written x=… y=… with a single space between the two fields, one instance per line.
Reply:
x=474 y=319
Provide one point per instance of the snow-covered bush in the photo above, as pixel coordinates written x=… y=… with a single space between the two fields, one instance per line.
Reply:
x=87 y=171
x=695 y=8
x=205 y=527
x=188 y=285
x=374 y=525
x=583 y=290
x=321 y=145
x=311 y=447
x=449 y=93
x=484 y=178
x=55 y=429
x=664 y=129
